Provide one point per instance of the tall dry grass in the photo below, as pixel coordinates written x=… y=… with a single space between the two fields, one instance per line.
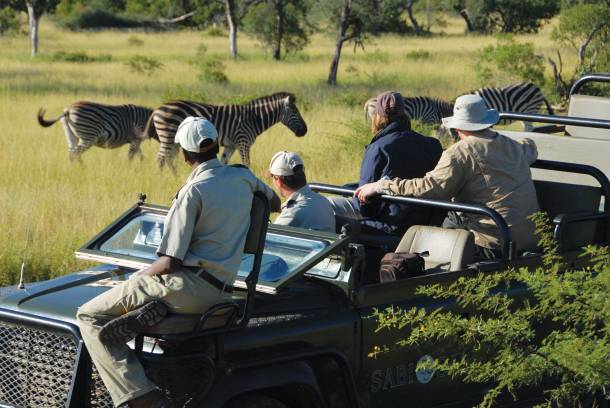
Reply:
x=59 y=204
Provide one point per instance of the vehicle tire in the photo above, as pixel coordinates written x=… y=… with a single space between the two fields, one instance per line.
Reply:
x=255 y=401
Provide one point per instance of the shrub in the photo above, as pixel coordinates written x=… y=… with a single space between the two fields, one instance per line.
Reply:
x=9 y=23
x=91 y=18
x=215 y=31
x=143 y=65
x=419 y=55
x=508 y=61
x=79 y=56
x=560 y=335
x=509 y=16
x=211 y=68
x=134 y=41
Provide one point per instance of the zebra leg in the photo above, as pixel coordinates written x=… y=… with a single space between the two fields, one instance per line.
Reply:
x=79 y=150
x=227 y=152
x=244 y=152
x=134 y=148
x=70 y=136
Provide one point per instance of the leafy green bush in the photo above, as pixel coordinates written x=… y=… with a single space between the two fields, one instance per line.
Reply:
x=9 y=23
x=215 y=31
x=143 y=65
x=211 y=68
x=79 y=56
x=562 y=333
x=508 y=16
x=508 y=61
x=93 y=18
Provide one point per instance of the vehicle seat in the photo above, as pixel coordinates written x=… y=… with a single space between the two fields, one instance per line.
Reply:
x=449 y=249
x=593 y=107
x=557 y=199
x=223 y=314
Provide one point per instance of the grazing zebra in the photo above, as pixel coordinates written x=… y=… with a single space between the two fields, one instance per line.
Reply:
x=523 y=97
x=89 y=124
x=237 y=125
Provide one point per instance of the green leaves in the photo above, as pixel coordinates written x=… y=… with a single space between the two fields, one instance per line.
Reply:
x=559 y=332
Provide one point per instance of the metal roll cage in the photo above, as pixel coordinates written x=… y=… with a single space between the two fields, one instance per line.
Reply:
x=588 y=78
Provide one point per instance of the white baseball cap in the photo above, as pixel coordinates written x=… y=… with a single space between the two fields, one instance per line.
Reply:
x=471 y=113
x=283 y=163
x=192 y=131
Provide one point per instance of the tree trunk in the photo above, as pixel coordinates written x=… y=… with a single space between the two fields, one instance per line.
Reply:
x=466 y=17
x=334 y=65
x=279 y=29
x=232 y=23
x=414 y=23
x=33 y=20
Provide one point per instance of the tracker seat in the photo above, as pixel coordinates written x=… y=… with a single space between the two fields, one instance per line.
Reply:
x=449 y=249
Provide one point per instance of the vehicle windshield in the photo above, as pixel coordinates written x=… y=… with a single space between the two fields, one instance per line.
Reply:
x=283 y=254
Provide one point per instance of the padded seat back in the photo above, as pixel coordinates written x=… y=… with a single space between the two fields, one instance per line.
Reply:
x=593 y=107
x=449 y=249
x=556 y=198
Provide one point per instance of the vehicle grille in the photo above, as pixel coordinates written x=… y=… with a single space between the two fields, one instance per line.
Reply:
x=100 y=398
x=36 y=366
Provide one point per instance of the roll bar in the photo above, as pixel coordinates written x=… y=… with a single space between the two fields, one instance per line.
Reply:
x=557 y=120
x=508 y=245
x=588 y=78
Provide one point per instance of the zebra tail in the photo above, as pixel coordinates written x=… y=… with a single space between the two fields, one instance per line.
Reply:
x=46 y=123
x=150 y=131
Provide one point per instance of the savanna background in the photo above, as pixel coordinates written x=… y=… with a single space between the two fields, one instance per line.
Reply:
x=49 y=206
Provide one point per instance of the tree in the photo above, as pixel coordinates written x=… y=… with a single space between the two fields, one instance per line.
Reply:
x=507 y=16
x=35 y=10
x=585 y=29
x=558 y=341
x=280 y=24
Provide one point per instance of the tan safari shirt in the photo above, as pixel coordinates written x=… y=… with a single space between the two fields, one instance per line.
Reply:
x=486 y=168
x=307 y=209
x=208 y=221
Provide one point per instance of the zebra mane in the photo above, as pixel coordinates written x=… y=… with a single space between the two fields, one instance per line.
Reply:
x=271 y=98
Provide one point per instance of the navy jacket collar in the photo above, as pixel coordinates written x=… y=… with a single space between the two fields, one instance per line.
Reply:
x=391 y=128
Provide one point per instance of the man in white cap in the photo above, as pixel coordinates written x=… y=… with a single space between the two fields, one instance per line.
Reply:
x=199 y=255
x=304 y=208
x=483 y=167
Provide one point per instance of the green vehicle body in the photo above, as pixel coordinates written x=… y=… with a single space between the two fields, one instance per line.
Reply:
x=308 y=340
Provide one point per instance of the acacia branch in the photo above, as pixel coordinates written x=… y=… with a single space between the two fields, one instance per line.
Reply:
x=176 y=19
x=583 y=47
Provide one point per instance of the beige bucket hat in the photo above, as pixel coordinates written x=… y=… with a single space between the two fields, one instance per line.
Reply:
x=471 y=113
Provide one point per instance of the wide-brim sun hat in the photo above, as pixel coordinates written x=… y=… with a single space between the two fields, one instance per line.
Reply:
x=192 y=131
x=470 y=113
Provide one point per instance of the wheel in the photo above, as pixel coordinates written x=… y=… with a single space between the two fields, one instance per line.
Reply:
x=255 y=401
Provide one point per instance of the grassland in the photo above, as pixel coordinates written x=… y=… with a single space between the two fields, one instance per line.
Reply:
x=56 y=205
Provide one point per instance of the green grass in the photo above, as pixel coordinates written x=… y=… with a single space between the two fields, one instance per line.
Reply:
x=61 y=204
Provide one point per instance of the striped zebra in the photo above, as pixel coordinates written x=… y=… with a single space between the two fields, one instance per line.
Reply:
x=422 y=108
x=523 y=97
x=237 y=125
x=88 y=124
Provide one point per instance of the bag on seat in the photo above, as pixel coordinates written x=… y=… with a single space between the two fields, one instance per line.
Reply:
x=400 y=265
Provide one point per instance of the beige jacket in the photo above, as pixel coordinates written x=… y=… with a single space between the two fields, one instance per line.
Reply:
x=486 y=168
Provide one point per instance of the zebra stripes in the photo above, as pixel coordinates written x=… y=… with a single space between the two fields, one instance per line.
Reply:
x=422 y=108
x=523 y=97
x=237 y=125
x=88 y=124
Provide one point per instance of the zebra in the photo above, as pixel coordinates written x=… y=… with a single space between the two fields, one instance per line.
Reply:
x=89 y=124
x=524 y=97
x=237 y=125
x=422 y=108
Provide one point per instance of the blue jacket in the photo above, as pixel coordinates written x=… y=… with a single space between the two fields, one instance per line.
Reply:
x=396 y=152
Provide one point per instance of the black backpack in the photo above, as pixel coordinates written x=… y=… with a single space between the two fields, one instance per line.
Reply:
x=401 y=265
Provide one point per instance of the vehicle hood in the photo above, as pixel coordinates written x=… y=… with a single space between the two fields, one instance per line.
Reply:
x=59 y=298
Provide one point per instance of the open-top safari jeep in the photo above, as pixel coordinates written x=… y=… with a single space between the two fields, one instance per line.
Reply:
x=300 y=327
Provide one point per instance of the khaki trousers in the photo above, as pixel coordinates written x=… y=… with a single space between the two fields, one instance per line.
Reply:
x=119 y=368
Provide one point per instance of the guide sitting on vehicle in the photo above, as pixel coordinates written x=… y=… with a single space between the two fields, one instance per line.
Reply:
x=394 y=151
x=484 y=167
x=303 y=208
x=199 y=255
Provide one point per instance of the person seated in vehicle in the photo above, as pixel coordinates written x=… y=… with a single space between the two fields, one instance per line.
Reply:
x=483 y=167
x=199 y=255
x=303 y=207
x=394 y=151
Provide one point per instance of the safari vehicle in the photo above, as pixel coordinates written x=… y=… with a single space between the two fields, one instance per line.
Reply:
x=300 y=327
